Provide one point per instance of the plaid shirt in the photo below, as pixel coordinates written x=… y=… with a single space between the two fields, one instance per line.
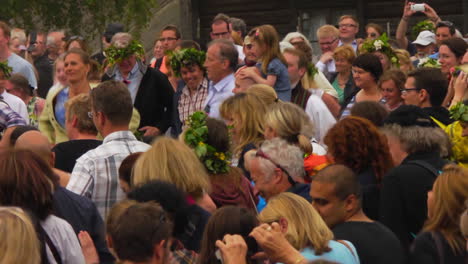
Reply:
x=8 y=117
x=188 y=104
x=96 y=173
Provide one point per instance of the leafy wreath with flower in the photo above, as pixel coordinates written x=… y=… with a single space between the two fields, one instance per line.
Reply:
x=421 y=26
x=7 y=70
x=459 y=112
x=429 y=63
x=381 y=44
x=185 y=58
x=196 y=136
x=115 y=55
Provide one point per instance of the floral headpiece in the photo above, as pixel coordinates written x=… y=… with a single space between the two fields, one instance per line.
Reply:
x=196 y=136
x=115 y=55
x=459 y=112
x=428 y=63
x=421 y=26
x=184 y=58
x=5 y=69
x=381 y=44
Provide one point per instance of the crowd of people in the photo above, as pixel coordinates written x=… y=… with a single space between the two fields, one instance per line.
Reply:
x=253 y=150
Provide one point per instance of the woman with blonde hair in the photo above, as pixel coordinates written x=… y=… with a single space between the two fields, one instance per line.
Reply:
x=264 y=92
x=172 y=161
x=441 y=240
x=404 y=57
x=305 y=230
x=19 y=242
x=244 y=114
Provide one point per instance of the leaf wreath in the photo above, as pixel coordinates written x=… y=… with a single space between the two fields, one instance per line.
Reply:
x=185 y=58
x=422 y=26
x=115 y=55
x=6 y=69
x=196 y=137
x=381 y=44
x=459 y=112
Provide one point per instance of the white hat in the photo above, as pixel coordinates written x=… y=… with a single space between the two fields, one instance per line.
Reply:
x=425 y=38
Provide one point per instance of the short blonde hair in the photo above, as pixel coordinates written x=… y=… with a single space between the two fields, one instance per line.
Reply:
x=297 y=211
x=18 y=242
x=19 y=34
x=350 y=17
x=248 y=112
x=79 y=106
x=265 y=93
x=326 y=31
x=404 y=58
x=345 y=51
x=172 y=161
x=291 y=123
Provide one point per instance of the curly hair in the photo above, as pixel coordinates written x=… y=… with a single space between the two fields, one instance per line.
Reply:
x=357 y=143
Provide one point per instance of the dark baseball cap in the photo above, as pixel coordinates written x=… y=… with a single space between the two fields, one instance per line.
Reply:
x=112 y=29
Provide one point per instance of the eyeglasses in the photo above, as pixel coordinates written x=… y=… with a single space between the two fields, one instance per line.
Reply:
x=406 y=90
x=346 y=25
x=262 y=154
x=328 y=43
x=167 y=39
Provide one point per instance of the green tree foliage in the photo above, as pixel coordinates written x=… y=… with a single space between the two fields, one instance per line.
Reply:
x=86 y=17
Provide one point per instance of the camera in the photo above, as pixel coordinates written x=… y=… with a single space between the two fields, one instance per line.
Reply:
x=418 y=7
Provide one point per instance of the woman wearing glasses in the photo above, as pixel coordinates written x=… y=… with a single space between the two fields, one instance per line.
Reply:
x=373 y=31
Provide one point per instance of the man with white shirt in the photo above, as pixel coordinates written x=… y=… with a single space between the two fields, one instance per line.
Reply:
x=14 y=102
x=312 y=104
x=221 y=29
x=349 y=27
x=18 y=64
x=221 y=63
x=328 y=39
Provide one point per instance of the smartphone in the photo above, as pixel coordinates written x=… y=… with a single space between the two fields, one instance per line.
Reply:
x=418 y=7
x=32 y=41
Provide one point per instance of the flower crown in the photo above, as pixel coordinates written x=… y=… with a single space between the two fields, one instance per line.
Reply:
x=196 y=136
x=381 y=44
x=459 y=112
x=184 y=58
x=5 y=69
x=429 y=63
x=115 y=55
x=421 y=26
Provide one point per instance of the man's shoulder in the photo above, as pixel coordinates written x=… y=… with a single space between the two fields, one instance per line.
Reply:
x=18 y=61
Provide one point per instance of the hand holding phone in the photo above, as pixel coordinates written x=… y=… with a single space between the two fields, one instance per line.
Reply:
x=418 y=7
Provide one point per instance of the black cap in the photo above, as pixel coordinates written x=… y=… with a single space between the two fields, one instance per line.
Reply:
x=409 y=115
x=112 y=29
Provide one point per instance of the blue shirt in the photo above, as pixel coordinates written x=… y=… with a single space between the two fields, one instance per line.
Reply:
x=217 y=93
x=132 y=81
x=282 y=85
x=339 y=253
x=434 y=56
x=23 y=67
x=59 y=109
x=354 y=44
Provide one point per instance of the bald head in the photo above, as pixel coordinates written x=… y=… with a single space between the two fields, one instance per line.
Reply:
x=37 y=143
x=345 y=180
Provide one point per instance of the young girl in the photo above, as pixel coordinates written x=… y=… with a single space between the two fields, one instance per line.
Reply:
x=272 y=65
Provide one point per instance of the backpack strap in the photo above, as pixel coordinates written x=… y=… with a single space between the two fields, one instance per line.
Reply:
x=51 y=246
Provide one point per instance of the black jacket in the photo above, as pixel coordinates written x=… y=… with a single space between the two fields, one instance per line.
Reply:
x=350 y=89
x=154 y=98
x=403 y=198
x=440 y=113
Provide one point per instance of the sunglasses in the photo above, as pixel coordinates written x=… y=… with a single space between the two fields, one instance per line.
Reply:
x=262 y=154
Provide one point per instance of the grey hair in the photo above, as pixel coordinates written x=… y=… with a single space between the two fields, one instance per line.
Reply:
x=121 y=40
x=420 y=139
x=290 y=157
x=227 y=51
x=292 y=35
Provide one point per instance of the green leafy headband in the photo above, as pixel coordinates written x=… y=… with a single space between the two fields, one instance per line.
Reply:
x=381 y=44
x=196 y=137
x=7 y=70
x=459 y=112
x=115 y=55
x=429 y=63
x=185 y=58
x=421 y=26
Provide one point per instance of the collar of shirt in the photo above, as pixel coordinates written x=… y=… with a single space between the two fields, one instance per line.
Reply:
x=119 y=136
x=353 y=44
x=203 y=84
x=219 y=86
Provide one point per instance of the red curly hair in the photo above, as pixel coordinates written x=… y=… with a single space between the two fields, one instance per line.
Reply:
x=355 y=142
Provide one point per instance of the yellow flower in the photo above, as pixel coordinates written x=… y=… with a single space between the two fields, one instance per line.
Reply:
x=222 y=157
x=201 y=143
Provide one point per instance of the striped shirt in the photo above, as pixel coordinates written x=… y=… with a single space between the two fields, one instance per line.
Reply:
x=96 y=173
x=190 y=103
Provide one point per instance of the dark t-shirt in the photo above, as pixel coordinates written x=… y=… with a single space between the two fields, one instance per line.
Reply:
x=374 y=242
x=66 y=153
x=424 y=250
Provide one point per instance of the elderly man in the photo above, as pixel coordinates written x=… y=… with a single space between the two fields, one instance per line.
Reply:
x=221 y=29
x=416 y=147
x=55 y=44
x=336 y=194
x=95 y=174
x=18 y=64
x=328 y=38
x=150 y=90
x=220 y=64
x=279 y=167
x=425 y=45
